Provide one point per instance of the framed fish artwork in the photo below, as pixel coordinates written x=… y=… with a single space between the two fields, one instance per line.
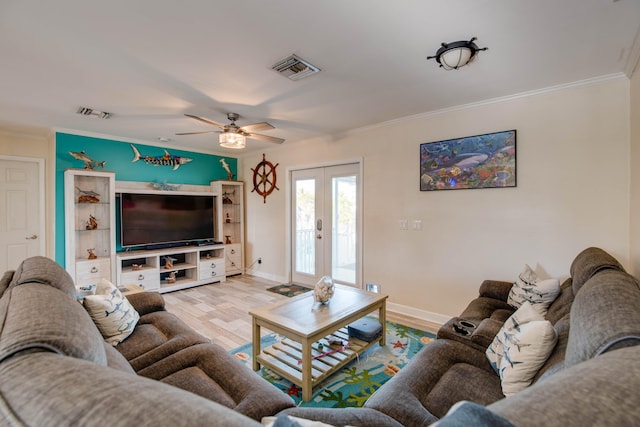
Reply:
x=479 y=161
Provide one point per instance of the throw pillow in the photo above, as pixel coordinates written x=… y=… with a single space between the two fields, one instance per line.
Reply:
x=524 y=355
x=525 y=314
x=540 y=293
x=112 y=313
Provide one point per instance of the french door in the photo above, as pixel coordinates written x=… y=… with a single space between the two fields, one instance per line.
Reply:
x=326 y=223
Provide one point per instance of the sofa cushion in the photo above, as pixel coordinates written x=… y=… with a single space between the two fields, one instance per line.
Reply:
x=39 y=316
x=528 y=287
x=111 y=312
x=210 y=371
x=495 y=352
x=157 y=335
x=43 y=270
x=441 y=374
x=615 y=297
x=589 y=262
x=5 y=280
x=47 y=389
x=599 y=392
x=561 y=306
x=116 y=360
x=526 y=351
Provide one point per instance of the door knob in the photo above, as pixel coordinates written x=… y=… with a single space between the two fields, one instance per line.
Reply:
x=319 y=236
x=32 y=237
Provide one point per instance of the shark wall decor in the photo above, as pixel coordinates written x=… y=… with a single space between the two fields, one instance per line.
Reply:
x=167 y=159
x=89 y=163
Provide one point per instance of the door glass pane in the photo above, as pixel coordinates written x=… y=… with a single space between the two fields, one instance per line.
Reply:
x=305 y=222
x=344 y=229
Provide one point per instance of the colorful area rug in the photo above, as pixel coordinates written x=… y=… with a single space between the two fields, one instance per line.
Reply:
x=289 y=290
x=356 y=381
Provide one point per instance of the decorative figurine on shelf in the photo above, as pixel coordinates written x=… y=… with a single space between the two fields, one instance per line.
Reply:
x=226 y=167
x=168 y=262
x=171 y=278
x=92 y=224
x=227 y=240
x=136 y=267
x=226 y=200
x=92 y=254
x=88 y=196
x=324 y=289
x=227 y=219
x=165 y=186
x=89 y=163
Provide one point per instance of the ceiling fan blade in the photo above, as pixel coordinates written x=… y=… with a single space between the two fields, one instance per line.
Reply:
x=207 y=121
x=196 y=133
x=257 y=127
x=265 y=138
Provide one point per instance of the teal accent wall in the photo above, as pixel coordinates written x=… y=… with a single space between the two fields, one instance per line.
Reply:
x=118 y=155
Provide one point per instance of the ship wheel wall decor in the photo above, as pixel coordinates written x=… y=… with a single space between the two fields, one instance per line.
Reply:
x=264 y=178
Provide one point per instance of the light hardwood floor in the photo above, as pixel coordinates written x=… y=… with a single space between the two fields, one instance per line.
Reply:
x=220 y=311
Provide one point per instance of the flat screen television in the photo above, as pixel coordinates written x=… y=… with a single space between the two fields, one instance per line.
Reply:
x=165 y=219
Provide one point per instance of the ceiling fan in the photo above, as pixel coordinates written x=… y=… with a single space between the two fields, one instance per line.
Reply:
x=246 y=131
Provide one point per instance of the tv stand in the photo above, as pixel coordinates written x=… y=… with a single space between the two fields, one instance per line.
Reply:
x=171 y=269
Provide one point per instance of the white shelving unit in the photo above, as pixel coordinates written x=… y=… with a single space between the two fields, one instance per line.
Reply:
x=230 y=211
x=89 y=225
x=171 y=269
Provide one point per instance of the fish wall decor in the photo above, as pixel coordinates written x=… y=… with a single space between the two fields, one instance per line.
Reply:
x=167 y=159
x=89 y=163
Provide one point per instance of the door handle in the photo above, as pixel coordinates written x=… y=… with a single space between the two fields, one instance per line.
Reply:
x=319 y=236
x=319 y=225
x=32 y=237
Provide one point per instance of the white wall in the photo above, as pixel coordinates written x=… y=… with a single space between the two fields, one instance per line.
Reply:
x=573 y=192
x=634 y=251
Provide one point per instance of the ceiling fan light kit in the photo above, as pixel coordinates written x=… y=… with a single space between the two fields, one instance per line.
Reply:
x=452 y=56
x=234 y=136
x=232 y=140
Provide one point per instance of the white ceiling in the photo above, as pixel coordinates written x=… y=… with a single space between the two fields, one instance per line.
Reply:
x=149 y=62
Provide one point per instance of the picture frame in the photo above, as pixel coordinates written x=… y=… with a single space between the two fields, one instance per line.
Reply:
x=471 y=162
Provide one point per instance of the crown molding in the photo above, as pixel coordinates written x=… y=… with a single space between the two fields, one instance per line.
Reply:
x=634 y=56
x=136 y=141
x=536 y=92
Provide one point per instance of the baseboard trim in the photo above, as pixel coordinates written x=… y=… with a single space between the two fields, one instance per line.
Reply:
x=426 y=316
x=271 y=277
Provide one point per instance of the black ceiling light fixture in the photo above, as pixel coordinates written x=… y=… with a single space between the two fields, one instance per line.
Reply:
x=452 y=56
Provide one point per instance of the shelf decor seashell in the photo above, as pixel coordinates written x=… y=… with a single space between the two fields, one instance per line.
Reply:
x=324 y=289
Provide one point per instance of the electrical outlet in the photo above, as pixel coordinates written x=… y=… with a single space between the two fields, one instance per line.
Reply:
x=260 y=260
x=373 y=287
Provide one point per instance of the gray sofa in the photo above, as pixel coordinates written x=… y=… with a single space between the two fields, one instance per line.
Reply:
x=56 y=369
x=592 y=377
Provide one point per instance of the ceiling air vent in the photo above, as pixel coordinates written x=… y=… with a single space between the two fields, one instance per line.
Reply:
x=86 y=111
x=295 y=68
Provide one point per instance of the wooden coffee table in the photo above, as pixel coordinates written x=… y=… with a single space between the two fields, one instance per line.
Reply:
x=300 y=357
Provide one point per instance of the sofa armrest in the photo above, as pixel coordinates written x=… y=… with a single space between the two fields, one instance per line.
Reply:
x=486 y=331
x=496 y=289
x=146 y=302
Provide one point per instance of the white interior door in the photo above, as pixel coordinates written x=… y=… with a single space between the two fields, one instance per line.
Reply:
x=21 y=210
x=326 y=225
